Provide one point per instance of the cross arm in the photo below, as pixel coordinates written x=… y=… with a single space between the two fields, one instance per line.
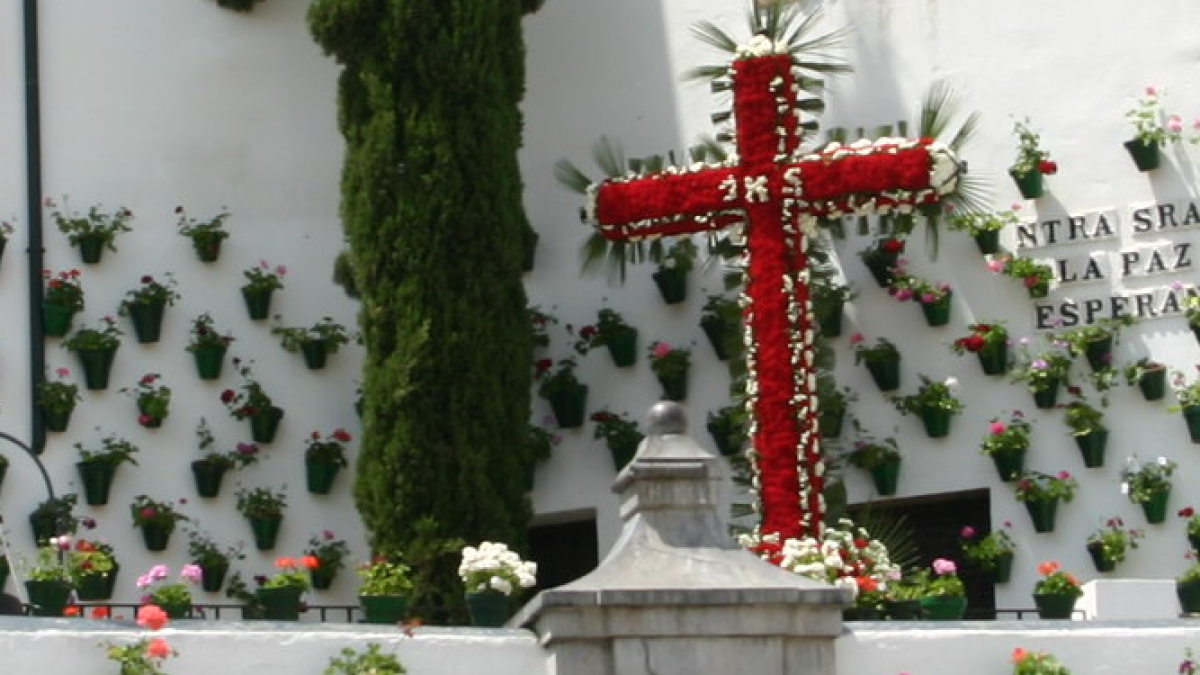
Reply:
x=666 y=204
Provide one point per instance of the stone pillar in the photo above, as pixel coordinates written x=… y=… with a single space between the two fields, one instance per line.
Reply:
x=677 y=595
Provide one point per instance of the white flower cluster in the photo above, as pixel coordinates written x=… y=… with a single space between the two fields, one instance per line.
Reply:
x=845 y=555
x=493 y=567
x=761 y=45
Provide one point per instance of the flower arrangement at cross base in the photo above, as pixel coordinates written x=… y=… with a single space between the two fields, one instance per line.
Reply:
x=1148 y=484
x=491 y=573
x=1032 y=161
x=1109 y=545
x=992 y=552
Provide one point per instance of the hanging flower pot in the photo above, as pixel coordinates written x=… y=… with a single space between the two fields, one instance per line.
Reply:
x=936 y=421
x=1101 y=562
x=98 y=586
x=1099 y=353
x=829 y=316
x=718 y=331
x=47 y=525
x=207 y=476
x=1191 y=415
x=674 y=386
x=672 y=285
x=266 y=531
x=726 y=431
x=1054 y=605
x=1153 y=383
x=1029 y=184
x=3 y=473
x=207 y=250
x=622 y=347
x=993 y=358
x=209 y=361
x=1092 y=447
x=91 y=248
x=97 y=477
x=56 y=420
x=280 y=604
x=147 y=320
x=1188 y=593
x=831 y=421
x=322 y=578
x=97 y=365
x=988 y=242
x=944 y=607
x=937 y=313
x=487 y=609
x=265 y=423
x=885 y=477
x=214 y=576
x=622 y=452
x=1155 y=507
x=1002 y=569
x=886 y=373
x=1046 y=397
x=47 y=598
x=1042 y=512
x=1145 y=155
x=1009 y=463
x=316 y=353
x=569 y=405
x=383 y=609
x=156 y=536
x=258 y=302
x=56 y=319
x=319 y=475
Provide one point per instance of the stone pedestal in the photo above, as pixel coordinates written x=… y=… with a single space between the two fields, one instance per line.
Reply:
x=676 y=595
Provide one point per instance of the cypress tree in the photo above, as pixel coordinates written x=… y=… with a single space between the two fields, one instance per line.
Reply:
x=431 y=204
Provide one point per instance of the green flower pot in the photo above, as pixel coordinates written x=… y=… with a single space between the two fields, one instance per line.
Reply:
x=1047 y=397
x=48 y=598
x=280 y=604
x=672 y=285
x=993 y=358
x=1030 y=184
x=56 y=420
x=829 y=318
x=937 y=313
x=1042 y=513
x=266 y=531
x=91 y=248
x=213 y=577
x=209 y=361
x=1191 y=415
x=97 y=365
x=1092 y=447
x=94 y=587
x=1054 y=606
x=674 y=387
x=1009 y=463
x=936 y=421
x=208 y=477
x=1145 y=155
x=322 y=578
x=487 y=609
x=1099 y=353
x=383 y=608
x=156 y=536
x=886 y=373
x=147 y=321
x=1155 y=508
x=885 y=477
x=258 y=303
x=1189 y=596
x=1153 y=384
x=1101 y=562
x=903 y=610
x=944 y=607
x=718 y=333
x=622 y=347
x=569 y=406
x=56 y=319
x=622 y=453
x=176 y=610
x=1002 y=570
x=316 y=353
x=988 y=242
x=97 y=478
x=265 y=423
x=208 y=249
x=319 y=475
x=881 y=265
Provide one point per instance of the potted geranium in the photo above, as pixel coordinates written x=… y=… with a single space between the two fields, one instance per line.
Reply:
x=989 y=342
x=881 y=359
x=97 y=467
x=619 y=433
x=1148 y=484
x=985 y=228
x=727 y=426
x=934 y=402
x=212 y=560
x=1150 y=377
x=145 y=304
x=993 y=552
x=96 y=348
x=1192 y=525
x=1109 y=545
x=280 y=595
x=612 y=332
x=673 y=268
x=210 y=469
x=208 y=347
x=1032 y=161
x=61 y=299
x=945 y=597
x=384 y=590
x=316 y=342
x=1041 y=493
x=93 y=569
x=1006 y=443
x=1035 y=276
x=881 y=458
x=1149 y=131
x=92 y=232
x=834 y=403
x=253 y=403
x=323 y=458
x=156 y=519
x=1044 y=373
x=330 y=553
x=1087 y=426
x=563 y=390
x=56 y=400
x=491 y=573
x=882 y=257
x=206 y=235
x=263 y=508
x=1188 y=396
x=1036 y=663
x=262 y=281
x=49 y=581
x=934 y=298
x=174 y=598
x=1096 y=340
x=1056 y=592
x=671 y=366
x=153 y=400
x=829 y=299
x=53 y=517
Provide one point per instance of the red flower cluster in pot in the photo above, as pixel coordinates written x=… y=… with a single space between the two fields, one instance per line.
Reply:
x=971 y=343
x=1048 y=167
x=892 y=245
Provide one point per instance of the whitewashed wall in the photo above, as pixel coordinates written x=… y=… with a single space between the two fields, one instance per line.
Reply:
x=150 y=104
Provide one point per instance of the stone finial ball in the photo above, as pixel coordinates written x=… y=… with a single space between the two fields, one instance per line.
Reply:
x=666 y=417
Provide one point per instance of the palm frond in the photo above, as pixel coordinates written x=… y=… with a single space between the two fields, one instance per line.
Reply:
x=706 y=73
x=712 y=35
x=570 y=177
x=614 y=255
x=894 y=531
x=609 y=157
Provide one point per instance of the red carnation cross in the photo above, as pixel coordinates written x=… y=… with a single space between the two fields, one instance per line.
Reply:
x=769 y=192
